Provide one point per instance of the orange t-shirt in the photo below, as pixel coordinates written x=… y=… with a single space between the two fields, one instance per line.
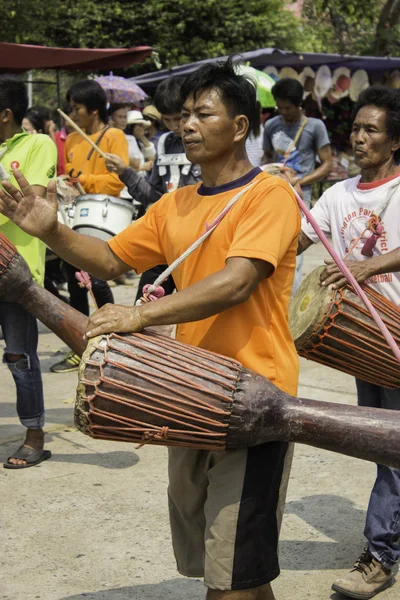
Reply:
x=263 y=224
x=95 y=179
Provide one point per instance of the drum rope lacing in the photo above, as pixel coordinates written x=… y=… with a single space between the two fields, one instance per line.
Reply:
x=177 y=407
x=349 y=276
x=7 y=251
x=327 y=344
x=154 y=291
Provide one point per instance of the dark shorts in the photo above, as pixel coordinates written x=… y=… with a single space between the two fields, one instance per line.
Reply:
x=225 y=512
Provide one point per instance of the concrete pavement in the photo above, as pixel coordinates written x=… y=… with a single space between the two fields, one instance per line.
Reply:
x=92 y=524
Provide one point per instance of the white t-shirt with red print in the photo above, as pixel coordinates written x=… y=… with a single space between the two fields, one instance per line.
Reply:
x=343 y=211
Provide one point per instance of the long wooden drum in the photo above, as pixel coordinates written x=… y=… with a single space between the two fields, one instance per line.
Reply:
x=334 y=328
x=150 y=388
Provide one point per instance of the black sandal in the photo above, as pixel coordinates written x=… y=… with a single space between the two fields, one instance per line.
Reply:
x=30 y=455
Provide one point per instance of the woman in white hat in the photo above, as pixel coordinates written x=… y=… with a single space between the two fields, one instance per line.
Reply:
x=141 y=151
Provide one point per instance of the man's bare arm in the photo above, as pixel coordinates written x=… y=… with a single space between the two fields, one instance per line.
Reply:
x=87 y=253
x=325 y=156
x=33 y=213
x=304 y=242
x=216 y=293
x=361 y=270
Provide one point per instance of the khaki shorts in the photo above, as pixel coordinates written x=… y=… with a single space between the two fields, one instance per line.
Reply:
x=225 y=512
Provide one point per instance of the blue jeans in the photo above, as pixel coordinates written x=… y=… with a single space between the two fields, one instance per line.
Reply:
x=382 y=528
x=300 y=259
x=20 y=333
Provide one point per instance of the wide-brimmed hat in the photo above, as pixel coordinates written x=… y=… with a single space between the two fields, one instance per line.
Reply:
x=323 y=81
x=359 y=83
x=288 y=73
x=135 y=117
x=151 y=112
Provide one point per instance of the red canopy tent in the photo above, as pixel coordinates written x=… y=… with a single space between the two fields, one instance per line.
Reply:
x=17 y=58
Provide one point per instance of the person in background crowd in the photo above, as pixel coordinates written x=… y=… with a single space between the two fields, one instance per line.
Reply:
x=343 y=213
x=254 y=142
x=297 y=141
x=118 y=114
x=36 y=157
x=61 y=137
x=140 y=147
x=163 y=178
x=89 y=110
x=38 y=120
x=156 y=129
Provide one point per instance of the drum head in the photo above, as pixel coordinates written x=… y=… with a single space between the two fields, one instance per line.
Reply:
x=309 y=307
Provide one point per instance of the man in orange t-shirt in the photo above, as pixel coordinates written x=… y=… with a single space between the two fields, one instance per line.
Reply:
x=89 y=111
x=233 y=295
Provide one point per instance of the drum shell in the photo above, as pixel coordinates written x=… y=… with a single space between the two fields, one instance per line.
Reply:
x=344 y=336
x=131 y=386
x=101 y=216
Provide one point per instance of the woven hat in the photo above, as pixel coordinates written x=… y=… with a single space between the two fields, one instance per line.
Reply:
x=394 y=79
x=288 y=72
x=307 y=73
x=342 y=83
x=151 y=112
x=359 y=83
x=272 y=72
x=135 y=117
x=323 y=81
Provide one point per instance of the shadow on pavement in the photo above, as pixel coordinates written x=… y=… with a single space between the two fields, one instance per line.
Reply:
x=109 y=460
x=175 y=589
x=336 y=518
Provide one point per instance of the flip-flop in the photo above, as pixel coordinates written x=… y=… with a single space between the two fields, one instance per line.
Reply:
x=30 y=455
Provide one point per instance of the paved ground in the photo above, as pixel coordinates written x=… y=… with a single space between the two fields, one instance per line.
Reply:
x=92 y=522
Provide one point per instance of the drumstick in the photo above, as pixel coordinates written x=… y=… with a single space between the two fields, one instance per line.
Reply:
x=82 y=133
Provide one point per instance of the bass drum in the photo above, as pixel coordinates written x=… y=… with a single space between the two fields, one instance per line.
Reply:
x=101 y=216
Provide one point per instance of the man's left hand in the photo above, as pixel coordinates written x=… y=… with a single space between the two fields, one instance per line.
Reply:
x=333 y=275
x=112 y=318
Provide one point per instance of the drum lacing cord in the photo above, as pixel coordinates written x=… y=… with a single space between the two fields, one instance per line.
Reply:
x=7 y=251
x=154 y=291
x=350 y=278
x=152 y=433
x=372 y=349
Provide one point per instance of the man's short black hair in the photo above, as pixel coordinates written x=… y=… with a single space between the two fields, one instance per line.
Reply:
x=387 y=98
x=288 y=89
x=238 y=92
x=168 y=98
x=38 y=115
x=13 y=95
x=89 y=93
x=114 y=107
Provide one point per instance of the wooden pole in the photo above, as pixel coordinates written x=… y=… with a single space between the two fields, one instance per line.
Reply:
x=82 y=133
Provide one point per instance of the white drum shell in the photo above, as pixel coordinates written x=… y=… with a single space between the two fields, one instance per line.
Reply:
x=101 y=216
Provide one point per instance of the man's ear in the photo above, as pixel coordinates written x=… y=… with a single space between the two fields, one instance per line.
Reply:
x=6 y=115
x=242 y=126
x=395 y=145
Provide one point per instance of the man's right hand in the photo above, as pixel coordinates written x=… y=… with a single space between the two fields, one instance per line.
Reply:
x=115 y=164
x=33 y=214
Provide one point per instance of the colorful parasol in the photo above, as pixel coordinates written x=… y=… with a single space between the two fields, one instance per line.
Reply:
x=263 y=82
x=120 y=90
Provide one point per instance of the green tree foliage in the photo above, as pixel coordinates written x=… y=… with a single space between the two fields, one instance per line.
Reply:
x=352 y=27
x=181 y=30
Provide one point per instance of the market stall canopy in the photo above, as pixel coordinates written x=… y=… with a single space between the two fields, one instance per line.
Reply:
x=279 y=58
x=17 y=58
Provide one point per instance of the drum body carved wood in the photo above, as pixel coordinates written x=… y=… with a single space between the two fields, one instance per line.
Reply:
x=152 y=389
x=334 y=328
